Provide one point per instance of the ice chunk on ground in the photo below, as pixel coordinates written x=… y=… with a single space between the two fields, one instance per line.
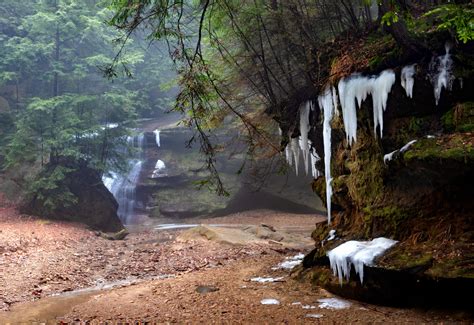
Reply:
x=408 y=80
x=358 y=254
x=308 y=307
x=269 y=301
x=314 y=316
x=296 y=303
x=290 y=262
x=266 y=280
x=333 y=303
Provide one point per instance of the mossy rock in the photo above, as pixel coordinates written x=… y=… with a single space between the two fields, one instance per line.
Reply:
x=460 y=118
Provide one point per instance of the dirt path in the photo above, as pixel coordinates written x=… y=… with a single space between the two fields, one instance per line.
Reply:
x=39 y=259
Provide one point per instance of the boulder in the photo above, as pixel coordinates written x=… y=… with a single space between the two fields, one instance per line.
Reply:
x=94 y=205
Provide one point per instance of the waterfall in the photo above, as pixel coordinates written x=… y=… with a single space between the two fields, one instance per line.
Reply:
x=123 y=187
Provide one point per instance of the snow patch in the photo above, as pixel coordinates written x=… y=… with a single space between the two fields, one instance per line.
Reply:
x=407 y=146
x=357 y=253
x=333 y=303
x=389 y=156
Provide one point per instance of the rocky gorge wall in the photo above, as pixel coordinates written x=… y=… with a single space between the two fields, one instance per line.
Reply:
x=419 y=196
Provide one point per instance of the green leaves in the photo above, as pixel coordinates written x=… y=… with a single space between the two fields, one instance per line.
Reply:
x=458 y=18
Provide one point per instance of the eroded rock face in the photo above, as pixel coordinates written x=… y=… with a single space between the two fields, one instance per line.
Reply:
x=422 y=197
x=95 y=205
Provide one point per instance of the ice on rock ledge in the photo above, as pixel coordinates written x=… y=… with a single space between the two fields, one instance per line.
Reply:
x=389 y=156
x=358 y=254
x=408 y=80
x=356 y=88
x=381 y=87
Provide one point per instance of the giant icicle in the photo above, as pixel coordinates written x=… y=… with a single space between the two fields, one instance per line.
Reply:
x=327 y=106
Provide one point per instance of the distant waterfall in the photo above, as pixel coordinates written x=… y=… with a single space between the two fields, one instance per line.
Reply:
x=123 y=187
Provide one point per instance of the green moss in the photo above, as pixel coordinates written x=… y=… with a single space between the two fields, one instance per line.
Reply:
x=385 y=219
x=460 y=118
x=454 y=148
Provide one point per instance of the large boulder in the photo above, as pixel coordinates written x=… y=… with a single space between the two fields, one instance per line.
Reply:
x=94 y=205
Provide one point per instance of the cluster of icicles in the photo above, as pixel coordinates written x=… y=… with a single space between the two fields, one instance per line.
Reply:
x=350 y=94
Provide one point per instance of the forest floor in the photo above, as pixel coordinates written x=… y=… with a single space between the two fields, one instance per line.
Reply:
x=56 y=272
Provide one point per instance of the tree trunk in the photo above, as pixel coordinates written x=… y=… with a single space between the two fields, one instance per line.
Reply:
x=399 y=30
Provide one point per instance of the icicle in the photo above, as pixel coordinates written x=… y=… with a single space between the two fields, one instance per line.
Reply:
x=326 y=104
x=334 y=101
x=288 y=154
x=407 y=79
x=443 y=77
x=381 y=87
x=157 y=136
x=304 y=130
x=295 y=149
x=351 y=89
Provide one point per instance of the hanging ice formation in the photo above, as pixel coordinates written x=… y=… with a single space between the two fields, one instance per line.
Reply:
x=408 y=80
x=357 y=88
x=295 y=150
x=326 y=104
x=357 y=253
x=314 y=159
x=301 y=145
x=441 y=73
x=304 y=130
x=157 y=137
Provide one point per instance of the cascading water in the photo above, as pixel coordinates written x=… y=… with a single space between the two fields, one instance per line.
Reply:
x=123 y=187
